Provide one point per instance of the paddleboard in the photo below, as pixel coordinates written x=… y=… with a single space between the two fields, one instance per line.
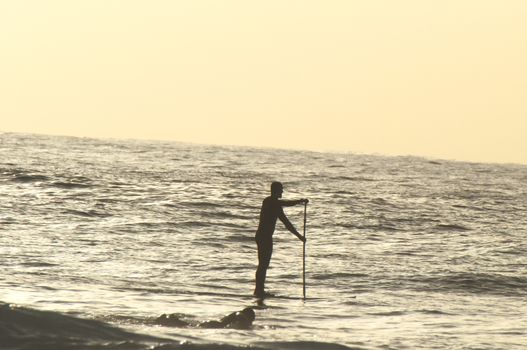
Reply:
x=246 y=296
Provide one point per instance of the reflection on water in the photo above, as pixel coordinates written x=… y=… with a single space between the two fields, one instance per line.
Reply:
x=402 y=252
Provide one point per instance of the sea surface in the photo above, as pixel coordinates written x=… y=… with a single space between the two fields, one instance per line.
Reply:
x=100 y=237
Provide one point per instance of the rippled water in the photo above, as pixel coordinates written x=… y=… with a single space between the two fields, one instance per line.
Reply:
x=402 y=253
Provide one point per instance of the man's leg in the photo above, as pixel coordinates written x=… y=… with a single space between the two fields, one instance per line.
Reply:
x=265 y=250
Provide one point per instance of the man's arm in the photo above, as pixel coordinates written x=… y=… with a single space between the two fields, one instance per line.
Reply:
x=289 y=225
x=285 y=203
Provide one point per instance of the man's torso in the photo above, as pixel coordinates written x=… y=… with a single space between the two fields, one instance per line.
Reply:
x=268 y=215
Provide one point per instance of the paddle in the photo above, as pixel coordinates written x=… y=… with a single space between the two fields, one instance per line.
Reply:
x=304 y=251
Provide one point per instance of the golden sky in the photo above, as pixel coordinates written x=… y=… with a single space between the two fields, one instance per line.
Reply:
x=442 y=79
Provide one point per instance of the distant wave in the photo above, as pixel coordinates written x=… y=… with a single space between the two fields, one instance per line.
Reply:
x=7 y=221
x=69 y=185
x=29 y=178
x=88 y=213
x=201 y=204
x=451 y=227
x=354 y=178
x=228 y=215
x=337 y=275
x=193 y=224
x=407 y=312
x=466 y=282
x=38 y=264
x=372 y=228
x=241 y=238
x=23 y=176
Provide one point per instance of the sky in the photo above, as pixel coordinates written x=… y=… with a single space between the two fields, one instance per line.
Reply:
x=441 y=79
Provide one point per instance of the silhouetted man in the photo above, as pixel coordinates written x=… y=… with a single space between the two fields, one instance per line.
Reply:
x=271 y=210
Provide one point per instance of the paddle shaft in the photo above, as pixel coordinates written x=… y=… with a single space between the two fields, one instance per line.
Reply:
x=304 y=252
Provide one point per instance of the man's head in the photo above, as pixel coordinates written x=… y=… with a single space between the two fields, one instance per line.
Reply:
x=277 y=189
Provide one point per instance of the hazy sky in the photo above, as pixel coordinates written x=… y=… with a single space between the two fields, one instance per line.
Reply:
x=443 y=79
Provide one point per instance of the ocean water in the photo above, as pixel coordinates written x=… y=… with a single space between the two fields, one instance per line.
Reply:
x=99 y=237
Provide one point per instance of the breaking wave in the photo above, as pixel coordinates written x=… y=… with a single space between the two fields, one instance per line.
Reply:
x=25 y=328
